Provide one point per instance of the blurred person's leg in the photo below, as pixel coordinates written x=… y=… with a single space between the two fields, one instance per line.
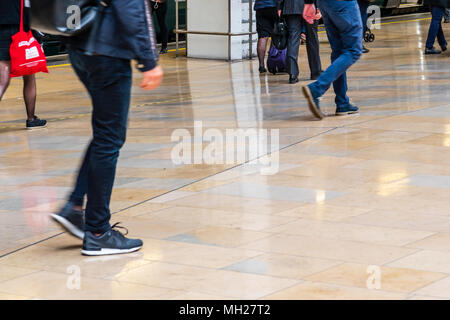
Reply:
x=262 y=47
x=435 y=28
x=312 y=48
x=29 y=95
x=294 y=26
x=441 y=38
x=363 y=6
x=108 y=81
x=161 y=13
x=265 y=21
x=5 y=68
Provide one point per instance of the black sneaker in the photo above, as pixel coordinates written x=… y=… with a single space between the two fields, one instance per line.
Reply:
x=432 y=51
x=313 y=103
x=262 y=69
x=345 y=110
x=71 y=220
x=293 y=79
x=36 y=123
x=163 y=51
x=111 y=242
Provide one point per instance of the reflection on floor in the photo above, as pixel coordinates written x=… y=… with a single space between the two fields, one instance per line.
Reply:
x=358 y=209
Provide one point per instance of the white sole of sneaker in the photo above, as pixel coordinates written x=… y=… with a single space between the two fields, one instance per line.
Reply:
x=105 y=252
x=68 y=226
x=37 y=128
x=346 y=113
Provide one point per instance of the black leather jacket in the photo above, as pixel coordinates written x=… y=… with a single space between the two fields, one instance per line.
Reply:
x=126 y=32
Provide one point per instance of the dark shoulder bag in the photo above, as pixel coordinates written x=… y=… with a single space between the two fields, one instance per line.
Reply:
x=67 y=17
x=280 y=34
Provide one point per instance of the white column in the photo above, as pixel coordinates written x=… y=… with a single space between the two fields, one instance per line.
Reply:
x=217 y=16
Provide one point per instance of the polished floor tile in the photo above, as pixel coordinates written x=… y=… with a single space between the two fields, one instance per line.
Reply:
x=283 y=266
x=208 y=281
x=438 y=289
x=275 y=192
x=322 y=291
x=434 y=261
x=351 y=232
x=194 y=254
x=364 y=276
x=329 y=248
x=220 y=236
x=51 y=285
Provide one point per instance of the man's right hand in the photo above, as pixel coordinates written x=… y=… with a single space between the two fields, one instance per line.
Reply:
x=152 y=79
x=309 y=13
x=279 y=13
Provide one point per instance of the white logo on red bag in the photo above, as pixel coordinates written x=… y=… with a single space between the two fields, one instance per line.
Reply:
x=31 y=53
x=27 y=43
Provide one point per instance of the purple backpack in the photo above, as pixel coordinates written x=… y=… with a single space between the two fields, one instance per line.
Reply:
x=276 y=62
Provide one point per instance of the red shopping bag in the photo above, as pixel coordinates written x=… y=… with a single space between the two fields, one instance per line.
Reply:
x=27 y=56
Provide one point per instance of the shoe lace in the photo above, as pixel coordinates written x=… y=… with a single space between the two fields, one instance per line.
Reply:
x=117 y=226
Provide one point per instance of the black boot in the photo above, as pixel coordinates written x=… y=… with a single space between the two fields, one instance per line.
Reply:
x=293 y=79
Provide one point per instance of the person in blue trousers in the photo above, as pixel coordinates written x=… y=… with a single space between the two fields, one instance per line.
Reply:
x=437 y=8
x=363 y=6
x=342 y=20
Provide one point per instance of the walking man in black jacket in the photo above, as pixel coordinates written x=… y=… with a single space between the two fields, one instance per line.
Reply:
x=126 y=33
x=292 y=12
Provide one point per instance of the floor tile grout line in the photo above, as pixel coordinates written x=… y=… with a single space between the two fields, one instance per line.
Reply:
x=433 y=233
x=17 y=277
x=445 y=275
x=31 y=244
x=370 y=290
x=417 y=250
x=299 y=281
x=367 y=243
x=394 y=228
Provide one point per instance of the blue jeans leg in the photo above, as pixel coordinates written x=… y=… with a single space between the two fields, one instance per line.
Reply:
x=343 y=24
x=435 y=30
x=108 y=81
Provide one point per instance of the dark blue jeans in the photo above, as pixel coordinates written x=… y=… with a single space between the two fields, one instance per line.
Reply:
x=342 y=21
x=435 y=30
x=363 y=6
x=108 y=81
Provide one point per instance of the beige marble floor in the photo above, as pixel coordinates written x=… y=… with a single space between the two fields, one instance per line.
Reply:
x=358 y=209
